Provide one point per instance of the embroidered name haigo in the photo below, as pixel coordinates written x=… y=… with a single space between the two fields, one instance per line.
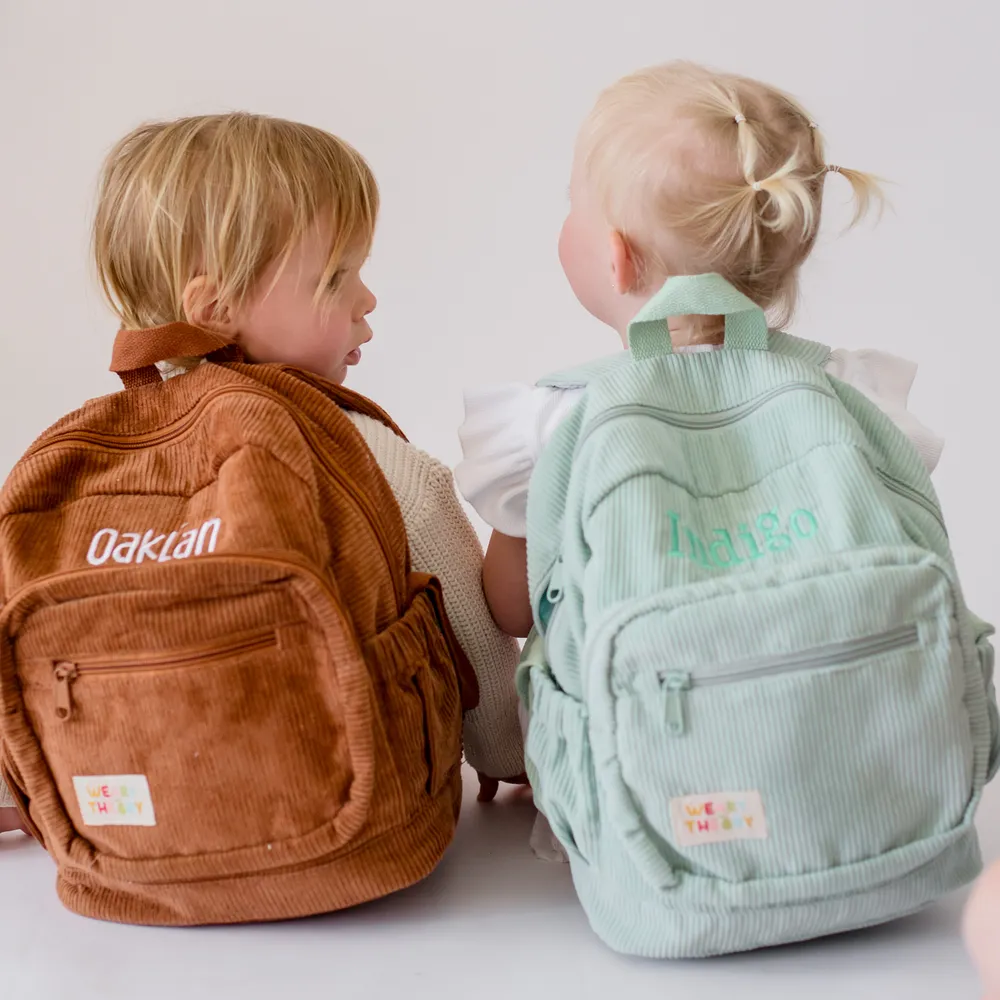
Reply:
x=717 y=818
x=131 y=546
x=769 y=534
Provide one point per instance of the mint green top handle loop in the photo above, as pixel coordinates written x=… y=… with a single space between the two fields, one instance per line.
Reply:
x=697 y=295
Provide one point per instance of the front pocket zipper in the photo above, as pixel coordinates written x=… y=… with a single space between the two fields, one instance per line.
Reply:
x=836 y=654
x=66 y=672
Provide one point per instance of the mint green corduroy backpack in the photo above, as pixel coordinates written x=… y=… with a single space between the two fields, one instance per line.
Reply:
x=760 y=710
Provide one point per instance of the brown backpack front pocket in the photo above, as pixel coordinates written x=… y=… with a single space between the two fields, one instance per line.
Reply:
x=178 y=731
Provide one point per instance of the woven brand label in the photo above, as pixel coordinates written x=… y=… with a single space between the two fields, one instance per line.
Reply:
x=717 y=818
x=114 y=800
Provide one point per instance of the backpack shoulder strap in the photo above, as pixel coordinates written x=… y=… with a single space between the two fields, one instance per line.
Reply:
x=346 y=399
x=581 y=376
x=795 y=347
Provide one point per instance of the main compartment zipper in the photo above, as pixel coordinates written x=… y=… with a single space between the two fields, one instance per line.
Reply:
x=66 y=672
x=836 y=654
x=137 y=441
x=908 y=493
x=700 y=421
x=723 y=418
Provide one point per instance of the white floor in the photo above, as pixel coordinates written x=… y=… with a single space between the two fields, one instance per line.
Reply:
x=491 y=922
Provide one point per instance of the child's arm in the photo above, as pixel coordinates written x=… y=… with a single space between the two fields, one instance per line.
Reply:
x=444 y=544
x=505 y=583
x=504 y=432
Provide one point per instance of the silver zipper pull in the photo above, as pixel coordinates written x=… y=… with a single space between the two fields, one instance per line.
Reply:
x=65 y=673
x=676 y=684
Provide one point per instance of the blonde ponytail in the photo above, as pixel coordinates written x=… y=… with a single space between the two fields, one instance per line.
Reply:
x=866 y=189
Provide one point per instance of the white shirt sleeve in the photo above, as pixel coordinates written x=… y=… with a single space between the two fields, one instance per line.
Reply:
x=507 y=426
x=886 y=380
x=505 y=429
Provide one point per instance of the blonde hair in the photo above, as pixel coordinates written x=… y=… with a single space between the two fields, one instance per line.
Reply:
x=221 y=196
x=705 y=171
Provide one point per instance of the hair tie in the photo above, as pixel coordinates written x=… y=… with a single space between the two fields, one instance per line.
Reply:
x=833 y=168
x=756 y=186
x=813 y=125
x=740 y=119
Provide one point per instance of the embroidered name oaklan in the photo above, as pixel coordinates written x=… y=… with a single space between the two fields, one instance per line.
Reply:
x=137 y=547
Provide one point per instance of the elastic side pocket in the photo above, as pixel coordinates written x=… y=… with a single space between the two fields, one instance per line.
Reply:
x=414 y=673
x=987 y=656
x=10 y=777
x=558 y=757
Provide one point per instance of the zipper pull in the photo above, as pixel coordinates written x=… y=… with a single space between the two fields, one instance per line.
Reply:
x=554 y=591
x=676 y=685
x=65 y=673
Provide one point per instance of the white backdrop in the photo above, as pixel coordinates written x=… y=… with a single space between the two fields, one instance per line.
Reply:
x=467 y=110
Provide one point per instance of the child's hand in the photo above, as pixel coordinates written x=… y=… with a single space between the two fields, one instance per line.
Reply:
x=10 y=820
x=488 y=787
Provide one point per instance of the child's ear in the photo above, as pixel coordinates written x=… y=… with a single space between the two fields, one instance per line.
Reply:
x=203 y=308
x=624 y=264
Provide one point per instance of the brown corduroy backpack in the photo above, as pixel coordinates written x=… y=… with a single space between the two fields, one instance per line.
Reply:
x=225 y=696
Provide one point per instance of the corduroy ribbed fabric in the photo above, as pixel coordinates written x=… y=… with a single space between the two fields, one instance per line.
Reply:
x=226 y=697
x=760 y=710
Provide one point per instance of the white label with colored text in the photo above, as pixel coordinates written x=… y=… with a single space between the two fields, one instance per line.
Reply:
x=717 y=818
x=114 y=800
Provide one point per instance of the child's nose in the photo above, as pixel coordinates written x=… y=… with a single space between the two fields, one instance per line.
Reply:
x=370 y=301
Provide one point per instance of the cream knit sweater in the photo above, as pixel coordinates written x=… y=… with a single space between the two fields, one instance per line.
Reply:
x=443 y=543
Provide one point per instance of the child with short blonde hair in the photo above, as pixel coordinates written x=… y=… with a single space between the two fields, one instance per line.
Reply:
x=250 y=226
x=257 y=229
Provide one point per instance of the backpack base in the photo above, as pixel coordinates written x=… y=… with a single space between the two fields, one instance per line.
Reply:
x=631 y=919
x=398 y=858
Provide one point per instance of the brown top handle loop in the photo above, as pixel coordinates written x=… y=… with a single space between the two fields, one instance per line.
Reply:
x=136 y=352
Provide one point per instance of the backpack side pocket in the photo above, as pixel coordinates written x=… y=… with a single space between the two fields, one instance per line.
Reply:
x=982 y=632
